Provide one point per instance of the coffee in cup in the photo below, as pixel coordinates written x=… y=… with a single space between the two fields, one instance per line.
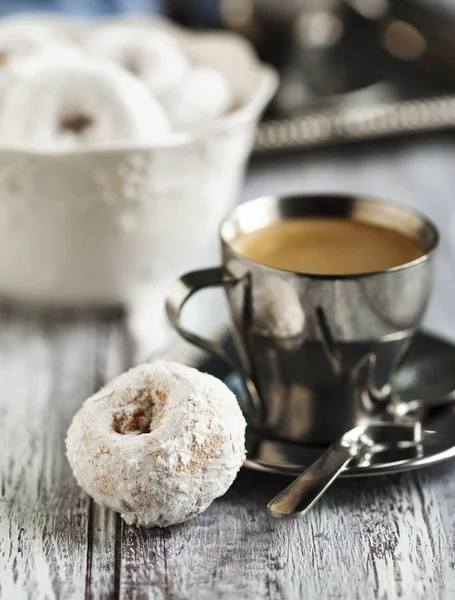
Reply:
x=328 y=246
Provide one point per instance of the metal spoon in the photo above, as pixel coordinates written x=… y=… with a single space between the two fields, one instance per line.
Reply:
x=305 y=491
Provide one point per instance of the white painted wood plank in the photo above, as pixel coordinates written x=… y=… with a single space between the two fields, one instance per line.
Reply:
x=47 y=368
x=103 y=531
x=104 y=527
x=384 y=538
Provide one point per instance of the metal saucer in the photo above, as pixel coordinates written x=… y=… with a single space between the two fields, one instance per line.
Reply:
x=428 y=369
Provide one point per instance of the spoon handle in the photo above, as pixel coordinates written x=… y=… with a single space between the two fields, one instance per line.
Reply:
x=306 y=490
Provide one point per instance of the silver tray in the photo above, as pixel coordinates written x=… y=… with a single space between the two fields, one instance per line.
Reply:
x=358 y=89
x=349 y=124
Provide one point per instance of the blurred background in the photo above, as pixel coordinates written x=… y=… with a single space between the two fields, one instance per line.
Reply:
x=332 y=55
x=369 y=50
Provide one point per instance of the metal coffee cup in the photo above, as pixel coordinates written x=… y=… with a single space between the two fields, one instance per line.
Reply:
x=316 y=351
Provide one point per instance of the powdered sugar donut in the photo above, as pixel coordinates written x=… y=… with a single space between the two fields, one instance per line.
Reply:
x=69 y=103
x=158 y=444
x=203 y=95
x=21 y=41
x=152 y=55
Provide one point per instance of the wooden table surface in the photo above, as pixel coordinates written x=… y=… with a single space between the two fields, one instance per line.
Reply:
x=382 y=538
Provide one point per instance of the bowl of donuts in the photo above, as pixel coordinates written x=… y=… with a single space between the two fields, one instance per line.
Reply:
x=122 y=144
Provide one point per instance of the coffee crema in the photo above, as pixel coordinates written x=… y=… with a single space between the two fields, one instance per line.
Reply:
x=328 y=246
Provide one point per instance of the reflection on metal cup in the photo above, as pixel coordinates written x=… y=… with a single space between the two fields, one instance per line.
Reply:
x=278 y=311
x=317 y=351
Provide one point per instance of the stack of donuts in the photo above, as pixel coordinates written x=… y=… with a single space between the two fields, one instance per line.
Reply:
x=119 y=81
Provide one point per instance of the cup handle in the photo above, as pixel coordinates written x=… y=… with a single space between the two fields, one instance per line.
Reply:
x=180 y=292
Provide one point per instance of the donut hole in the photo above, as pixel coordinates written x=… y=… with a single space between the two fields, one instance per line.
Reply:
x=134 y=422
x=143 y=412
x=131 y=64
x=77 y=123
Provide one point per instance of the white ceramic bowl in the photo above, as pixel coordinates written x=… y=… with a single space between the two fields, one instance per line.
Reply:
x=103 y=226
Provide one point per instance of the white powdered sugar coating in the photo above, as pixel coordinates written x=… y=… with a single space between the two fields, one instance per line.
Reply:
x=158 y=443
x=200 y=97
x=153 y=56
x=22 y=40
x=77 y=101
